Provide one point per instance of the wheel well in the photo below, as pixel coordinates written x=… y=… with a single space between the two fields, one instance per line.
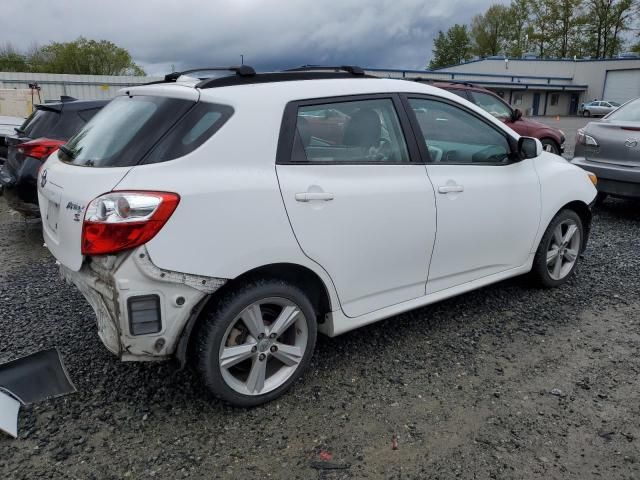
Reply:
x=302 y=277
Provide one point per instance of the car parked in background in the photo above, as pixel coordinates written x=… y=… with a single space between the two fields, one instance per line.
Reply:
x=597 y=108
x=610 y=148
x=8 y=127
x=233 y=218
x=552 y=138
x=49 y=126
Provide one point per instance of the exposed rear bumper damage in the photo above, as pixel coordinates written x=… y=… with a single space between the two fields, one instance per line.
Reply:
x=140 y=309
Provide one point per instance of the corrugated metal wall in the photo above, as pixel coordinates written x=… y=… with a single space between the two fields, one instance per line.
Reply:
x=83 y=87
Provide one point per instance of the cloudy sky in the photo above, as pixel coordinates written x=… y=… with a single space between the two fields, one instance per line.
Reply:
x=270 y=33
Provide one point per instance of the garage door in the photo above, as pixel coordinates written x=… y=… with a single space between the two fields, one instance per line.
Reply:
x=622 y=85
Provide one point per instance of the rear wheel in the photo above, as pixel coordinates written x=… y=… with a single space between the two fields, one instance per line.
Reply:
x=256 y=342
x=549 y=145
x=559 y=249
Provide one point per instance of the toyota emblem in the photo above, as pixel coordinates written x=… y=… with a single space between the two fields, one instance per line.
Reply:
x=631 y=143
x=43 y=178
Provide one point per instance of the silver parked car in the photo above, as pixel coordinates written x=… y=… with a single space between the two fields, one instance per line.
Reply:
x=597 y=108
x=610 y=148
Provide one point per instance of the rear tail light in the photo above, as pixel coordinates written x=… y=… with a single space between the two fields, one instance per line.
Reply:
x=120 y=221
x=583 y=139
x=41 y=148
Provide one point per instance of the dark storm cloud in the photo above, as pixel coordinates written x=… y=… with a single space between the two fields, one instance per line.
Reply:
x=270 y=34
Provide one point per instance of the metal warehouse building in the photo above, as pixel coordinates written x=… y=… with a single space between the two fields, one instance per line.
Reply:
x=543 y=87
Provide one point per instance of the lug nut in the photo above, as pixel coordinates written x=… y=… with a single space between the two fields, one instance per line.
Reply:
x=274 y=348
x=273 y=335
x=262 y=357
x=254 y=349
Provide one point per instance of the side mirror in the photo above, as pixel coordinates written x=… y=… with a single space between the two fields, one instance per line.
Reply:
x=529 y=147
x=516 y=115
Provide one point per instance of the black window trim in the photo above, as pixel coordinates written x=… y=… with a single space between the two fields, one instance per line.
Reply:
x=424 y=152
x=289 y=122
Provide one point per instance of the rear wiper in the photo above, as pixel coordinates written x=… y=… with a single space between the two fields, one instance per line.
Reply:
x=67 y=151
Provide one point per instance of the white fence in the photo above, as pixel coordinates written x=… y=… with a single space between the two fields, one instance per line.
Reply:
x=83 y=87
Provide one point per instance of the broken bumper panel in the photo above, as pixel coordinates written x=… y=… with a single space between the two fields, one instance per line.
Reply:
x=109 y=282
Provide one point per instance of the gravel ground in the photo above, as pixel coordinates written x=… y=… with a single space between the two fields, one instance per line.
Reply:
x=505 y=382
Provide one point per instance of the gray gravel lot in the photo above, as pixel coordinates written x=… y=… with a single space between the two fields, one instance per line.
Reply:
x=505 y=382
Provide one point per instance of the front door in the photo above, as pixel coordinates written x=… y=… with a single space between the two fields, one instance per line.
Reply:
x=573 y=105
x=536 y=103
x=360 y=204
x=488 y=202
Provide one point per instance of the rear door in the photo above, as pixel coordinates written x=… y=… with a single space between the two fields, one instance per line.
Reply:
x=488 y=204
x=360 y=203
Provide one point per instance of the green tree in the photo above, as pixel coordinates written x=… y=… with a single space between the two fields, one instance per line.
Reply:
x=11 y=60
x=606 y=22
x=90 y=57
x=451 y=48
x=566 y=19
x=490 y=31
x=518 y=28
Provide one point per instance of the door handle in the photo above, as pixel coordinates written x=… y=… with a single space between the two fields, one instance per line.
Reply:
x=450 y=189
x=309 y=196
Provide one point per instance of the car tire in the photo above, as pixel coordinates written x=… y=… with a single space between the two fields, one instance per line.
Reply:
x=586 y=113
x=235 y=343
x=559 y=245
x=549 y=145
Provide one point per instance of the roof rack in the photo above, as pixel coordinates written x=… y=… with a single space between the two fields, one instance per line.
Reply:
x=443 y=80
x=306 y=72
x=239 y=70
x=352 y=69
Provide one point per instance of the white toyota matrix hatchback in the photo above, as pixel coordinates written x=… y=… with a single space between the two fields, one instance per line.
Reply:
x=230 y=219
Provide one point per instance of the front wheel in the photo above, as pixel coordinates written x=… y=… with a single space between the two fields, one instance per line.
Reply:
x=256 y=342
x=586 y=113
x=550 y=146
x=559 y=249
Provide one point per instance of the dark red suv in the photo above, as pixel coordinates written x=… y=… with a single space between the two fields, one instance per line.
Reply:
x=552 y=139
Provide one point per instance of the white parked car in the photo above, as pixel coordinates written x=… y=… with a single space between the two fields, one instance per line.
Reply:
x=235 y=217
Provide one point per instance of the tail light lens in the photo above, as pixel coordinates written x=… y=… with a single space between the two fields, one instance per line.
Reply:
x=583 y=139
x=120 y=221
x=41 y=148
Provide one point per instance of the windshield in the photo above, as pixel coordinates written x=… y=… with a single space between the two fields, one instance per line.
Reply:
x=124 y=131
x=493 y=105
x=629 y=112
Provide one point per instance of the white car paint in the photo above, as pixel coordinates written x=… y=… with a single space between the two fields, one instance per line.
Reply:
x=371 y=246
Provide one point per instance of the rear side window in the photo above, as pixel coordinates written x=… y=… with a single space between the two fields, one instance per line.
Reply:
x=89 y=113
x=124 y=131
x=41 y=123
x=202 y=121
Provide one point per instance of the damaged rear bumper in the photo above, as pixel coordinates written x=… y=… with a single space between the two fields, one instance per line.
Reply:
x=115 y=285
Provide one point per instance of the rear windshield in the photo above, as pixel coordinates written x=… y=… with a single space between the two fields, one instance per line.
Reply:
x=629 y=112
x=41 y=123
x=59 y=125
x=143 y=129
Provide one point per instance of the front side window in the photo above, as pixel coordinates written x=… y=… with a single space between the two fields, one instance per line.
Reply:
x=493 y=105
x=453 y=135
x=363 y=131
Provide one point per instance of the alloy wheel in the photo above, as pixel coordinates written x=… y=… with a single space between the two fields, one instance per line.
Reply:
x=263 y=346
x=564 y=249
